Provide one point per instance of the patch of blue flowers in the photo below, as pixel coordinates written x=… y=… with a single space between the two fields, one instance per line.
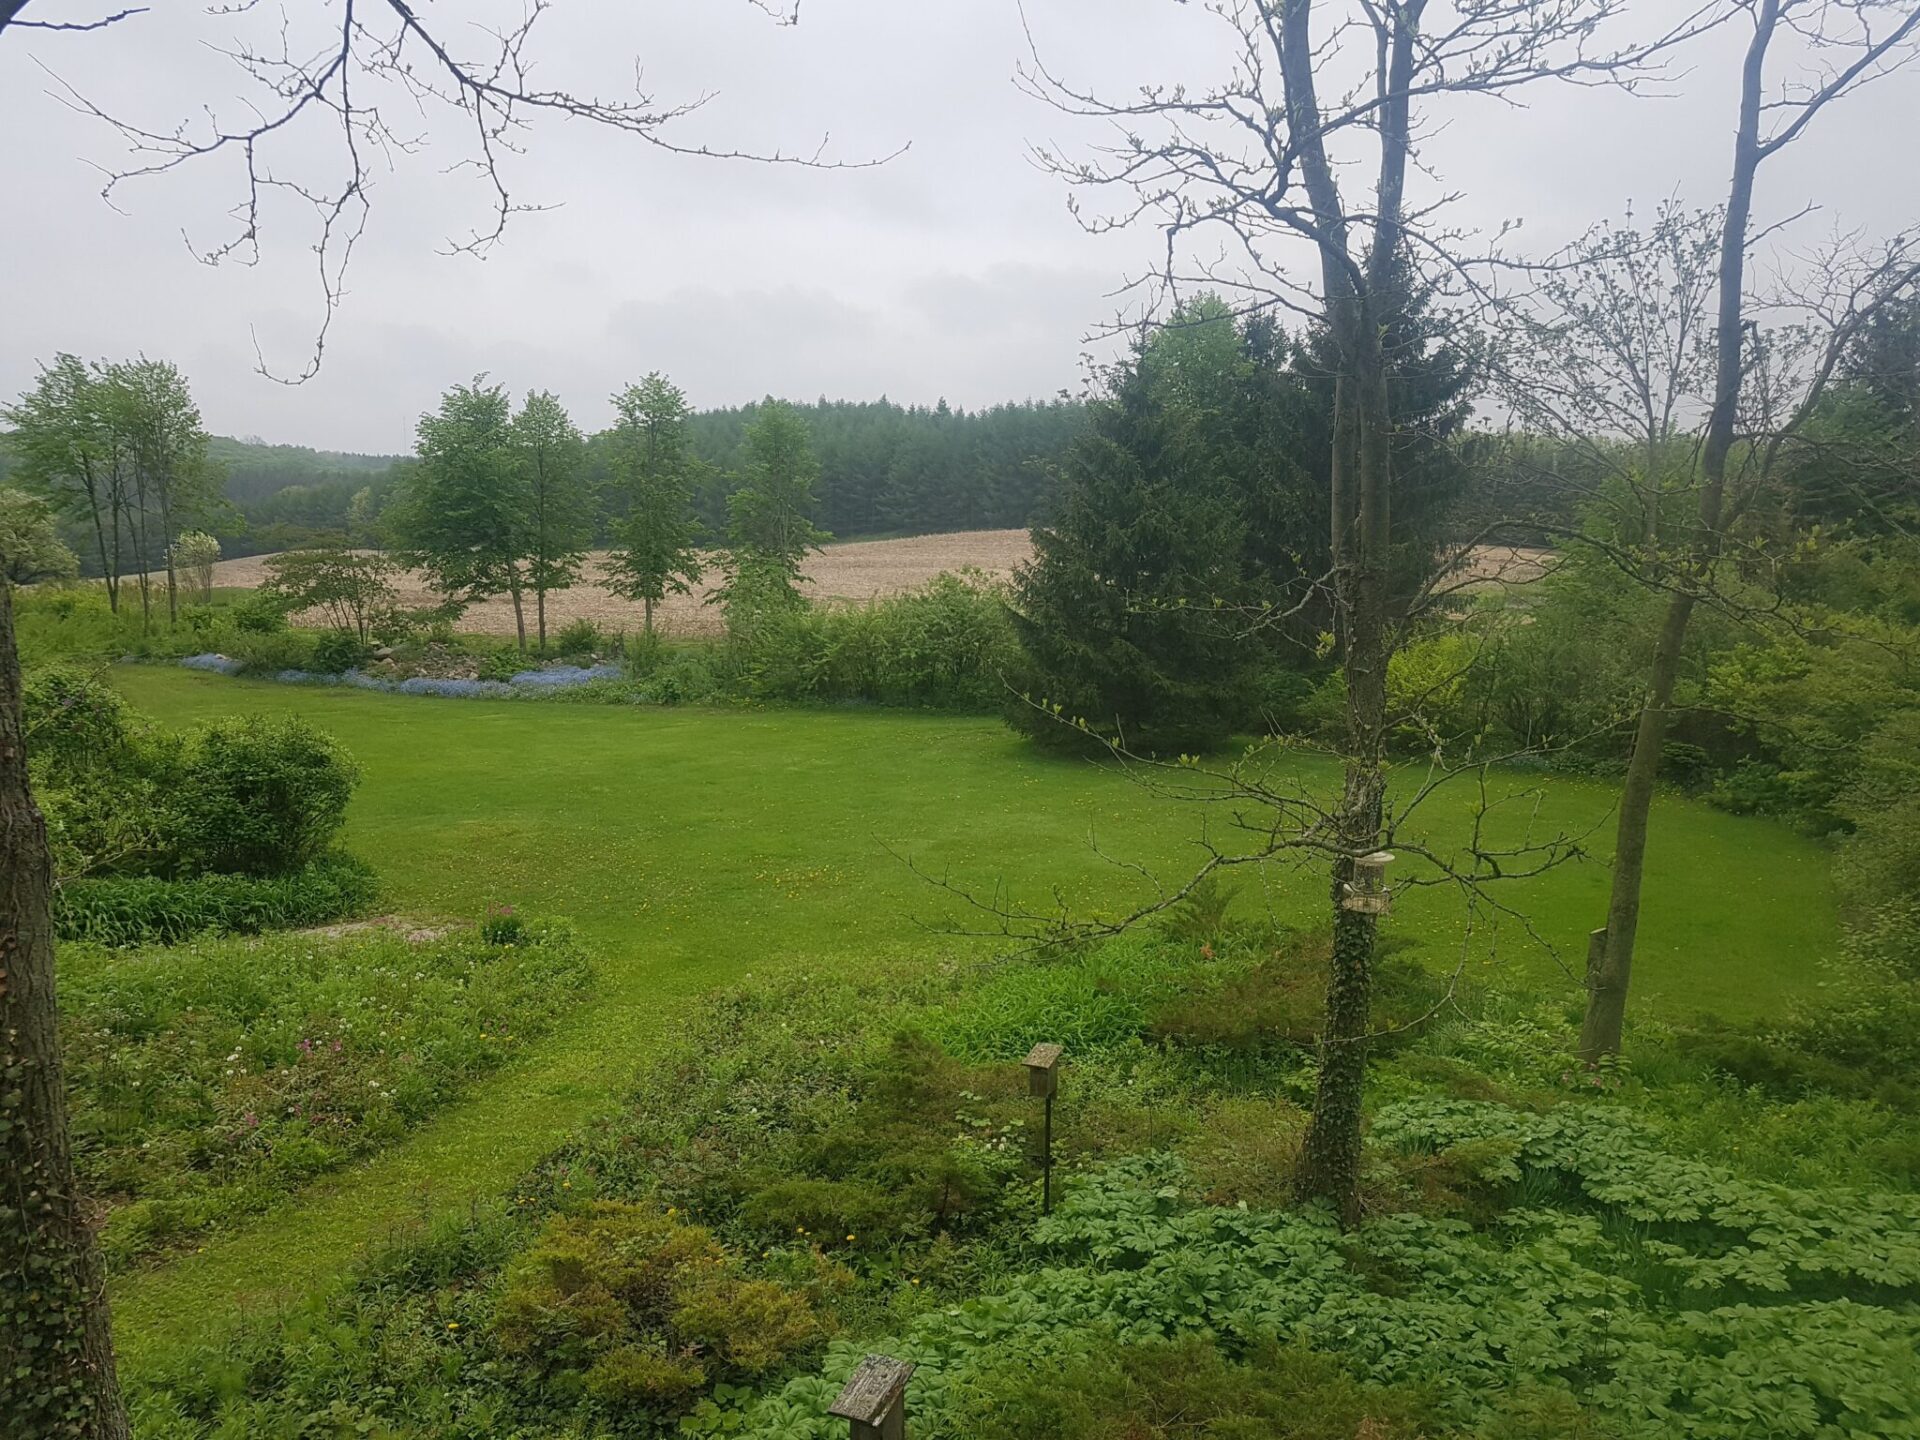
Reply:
x=219 y=664
x=555 y=677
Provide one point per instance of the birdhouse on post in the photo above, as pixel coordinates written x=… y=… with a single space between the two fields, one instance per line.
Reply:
x=874 y=1400
x=1366 y=893
x=1043 y=1070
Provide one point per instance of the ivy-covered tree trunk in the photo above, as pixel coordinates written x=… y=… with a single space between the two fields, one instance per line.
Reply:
x=56 y=1347
x=1330 y=1159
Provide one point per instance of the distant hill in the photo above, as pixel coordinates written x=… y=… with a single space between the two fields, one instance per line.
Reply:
x=256 y=469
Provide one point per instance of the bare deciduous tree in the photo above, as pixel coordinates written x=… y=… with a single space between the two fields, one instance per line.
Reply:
x=1300 y=163
x=1847 y=43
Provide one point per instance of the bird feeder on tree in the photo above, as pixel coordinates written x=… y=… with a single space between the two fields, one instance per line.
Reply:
x=873 y=1402
x=1367 y=893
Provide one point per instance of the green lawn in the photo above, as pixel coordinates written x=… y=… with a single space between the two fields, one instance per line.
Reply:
x=692 y=847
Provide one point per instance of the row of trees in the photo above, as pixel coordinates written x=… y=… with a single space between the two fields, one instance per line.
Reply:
x=118 y=450
x=504 y=502
x=884 y=468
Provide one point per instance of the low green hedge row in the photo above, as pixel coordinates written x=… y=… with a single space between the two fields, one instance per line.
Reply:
x=127 y=910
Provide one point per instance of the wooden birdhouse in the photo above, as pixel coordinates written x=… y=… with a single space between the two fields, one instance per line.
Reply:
x=874 y=1400
x=1366 y=893
x=1043 y=1070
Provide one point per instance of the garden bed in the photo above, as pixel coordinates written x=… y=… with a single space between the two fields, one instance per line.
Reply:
x=210 y=1079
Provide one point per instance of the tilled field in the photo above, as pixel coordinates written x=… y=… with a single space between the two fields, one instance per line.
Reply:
x=859 y=570
x=856 y=571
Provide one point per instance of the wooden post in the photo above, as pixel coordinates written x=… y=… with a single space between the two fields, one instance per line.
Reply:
x=1043 y=1080
x=873 y=1402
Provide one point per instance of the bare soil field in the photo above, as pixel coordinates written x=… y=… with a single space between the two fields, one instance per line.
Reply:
x=859 y=570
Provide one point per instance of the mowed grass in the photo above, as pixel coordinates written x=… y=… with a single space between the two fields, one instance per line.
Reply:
x=692 y=847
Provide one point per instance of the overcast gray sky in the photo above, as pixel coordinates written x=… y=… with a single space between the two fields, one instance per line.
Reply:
x=955 y=270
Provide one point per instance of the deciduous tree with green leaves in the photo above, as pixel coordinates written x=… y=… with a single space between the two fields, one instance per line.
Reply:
x=652 y=481
x=31 y=549
x=770 y=529
x=464 y=511
x=551 y=456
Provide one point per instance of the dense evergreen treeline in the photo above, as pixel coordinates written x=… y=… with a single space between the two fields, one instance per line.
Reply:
x=885 y=468
x=888 y=468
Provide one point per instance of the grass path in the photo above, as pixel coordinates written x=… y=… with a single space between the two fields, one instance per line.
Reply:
x=694 y=847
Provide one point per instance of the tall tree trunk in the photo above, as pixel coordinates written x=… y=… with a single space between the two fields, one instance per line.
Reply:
x=1360 y=294
x=100 y=543
x=648 y=604
x=166 y=536
x=1330 y=1156
x=1601 y=1029
x=540 y=608
x=519 y=614
x=56 y=1345
x=1607 y=982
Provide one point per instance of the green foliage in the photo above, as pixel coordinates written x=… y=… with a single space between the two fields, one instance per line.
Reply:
x=464 y=513
x=75 y=722
x=651 y=475
x=946 y=645
x=580 y=637
x=260 y=797
x=337 y=651
x=210 y=1078
x=30 y=543
x=639 y=1309
x=353 y=590
x=1184 y=1387
x=123 y=910
x=549 y=455
x=770 y=531
x=1133 y=612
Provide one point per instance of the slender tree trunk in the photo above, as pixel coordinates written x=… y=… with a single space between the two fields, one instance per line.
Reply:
x=540 y=608
x=648 y=604
x=100 y=543
x=519 y=614
x=1601 y=1029
x=56 y=1344
x=166 y=536
x=1607 y=982
x=1330 y=1156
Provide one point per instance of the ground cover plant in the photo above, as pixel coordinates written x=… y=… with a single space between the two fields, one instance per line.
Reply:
x=693 y=847
x=210 y=1079
x=851 y=1162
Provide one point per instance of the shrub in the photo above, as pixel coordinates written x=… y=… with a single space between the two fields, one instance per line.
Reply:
x=947 y=644
x=617 y=1300
x=336 y=651
x=148 y=910
x=75 y=722
x=578 y=637
x=261 y=796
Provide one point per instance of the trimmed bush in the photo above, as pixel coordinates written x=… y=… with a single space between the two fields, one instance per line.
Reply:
x=261 y=796
x=146 y=910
